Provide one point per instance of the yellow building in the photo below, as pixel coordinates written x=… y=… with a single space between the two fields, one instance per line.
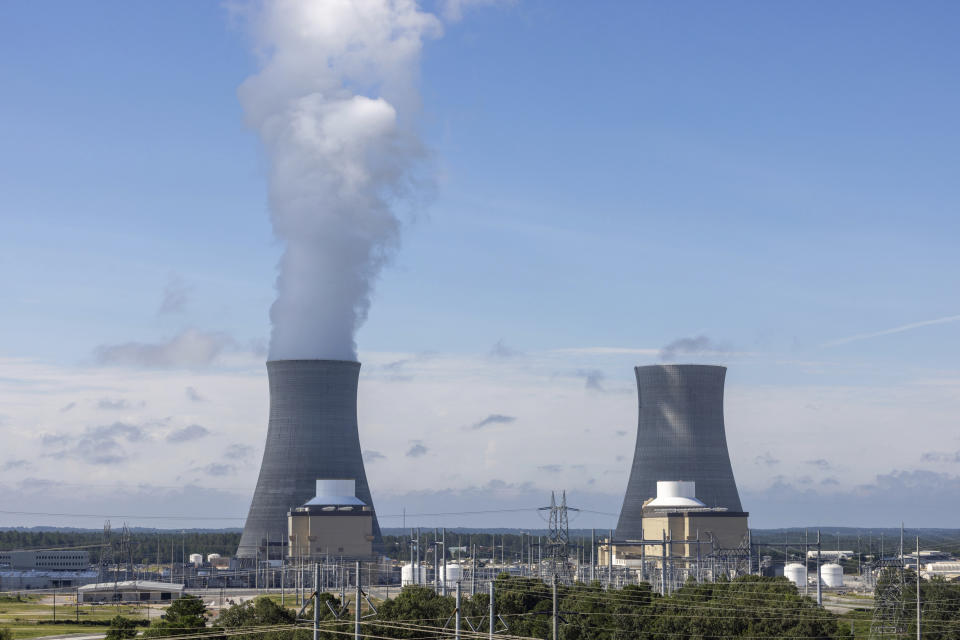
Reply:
x=335 y=523
x=679 y=518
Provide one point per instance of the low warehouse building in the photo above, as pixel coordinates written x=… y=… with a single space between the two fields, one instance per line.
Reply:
x=45 y=560
x=130 y=591
x=24 y=580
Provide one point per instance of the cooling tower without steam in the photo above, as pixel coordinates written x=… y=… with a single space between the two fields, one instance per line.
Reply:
x=680 y=436
x=312 y=434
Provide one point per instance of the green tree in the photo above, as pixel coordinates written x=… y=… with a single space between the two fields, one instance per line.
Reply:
x=6 y=634
x=121 y=628
x=183 y=617
x=414 y=604
x=257 y=612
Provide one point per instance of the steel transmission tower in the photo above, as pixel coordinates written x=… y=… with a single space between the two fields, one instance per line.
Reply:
x=888 y=610
x=557 y=561
x=106 y=553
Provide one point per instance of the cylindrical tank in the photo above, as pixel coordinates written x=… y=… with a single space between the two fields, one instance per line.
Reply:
x=408 y=575
x=212 y=556
x=796 y=573
x=832 y=575
x=453 y=574
x=196 y=559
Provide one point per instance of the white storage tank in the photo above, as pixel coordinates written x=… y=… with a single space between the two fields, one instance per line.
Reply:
x=408 y=575
x=212 y=556
x=196 y=559
x=454 y=572
x=832 y=575
x=796 y=573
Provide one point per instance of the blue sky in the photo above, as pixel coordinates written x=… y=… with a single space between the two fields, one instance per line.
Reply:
x=772 y=177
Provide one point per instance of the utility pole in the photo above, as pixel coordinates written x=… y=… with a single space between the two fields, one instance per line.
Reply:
x=593 y=559
x=918 y=587
x=473 y=571
x=819 y=591
x=444 y=543
x=643 y=557
x=316 y=602
x=663 y=565
x=457 y=612
x=356 y=601
x=436 y=563
x=610 y=560
x=492 y=616
x=556 y=613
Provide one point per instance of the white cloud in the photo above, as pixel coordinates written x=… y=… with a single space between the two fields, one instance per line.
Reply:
x=453 y=10
x=432 y=407
x=191 y=348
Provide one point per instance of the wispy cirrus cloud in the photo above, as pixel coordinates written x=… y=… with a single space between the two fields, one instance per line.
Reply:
x=886 y=332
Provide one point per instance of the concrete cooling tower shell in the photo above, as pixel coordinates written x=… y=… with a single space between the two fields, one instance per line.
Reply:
x=312 y=434
x=680 y=436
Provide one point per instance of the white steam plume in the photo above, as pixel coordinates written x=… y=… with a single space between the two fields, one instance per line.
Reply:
x=332 y=104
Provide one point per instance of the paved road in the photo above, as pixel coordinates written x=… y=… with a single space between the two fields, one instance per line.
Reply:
x=73 y=636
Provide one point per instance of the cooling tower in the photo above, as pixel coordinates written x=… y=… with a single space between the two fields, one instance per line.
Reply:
x=680 y=436
x=312 y=434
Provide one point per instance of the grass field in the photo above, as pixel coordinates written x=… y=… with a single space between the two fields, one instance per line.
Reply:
x=23 y=616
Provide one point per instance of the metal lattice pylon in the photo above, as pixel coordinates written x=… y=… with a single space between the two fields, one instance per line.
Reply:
x=557 y=560
x=106 y=553
x=888 y=610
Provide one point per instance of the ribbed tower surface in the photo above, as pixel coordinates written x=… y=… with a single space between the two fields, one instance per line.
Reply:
x=680 y=436
x=312 y=434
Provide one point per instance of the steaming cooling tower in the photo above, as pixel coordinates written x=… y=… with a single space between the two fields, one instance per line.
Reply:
x=312 y=434
x=680 y=436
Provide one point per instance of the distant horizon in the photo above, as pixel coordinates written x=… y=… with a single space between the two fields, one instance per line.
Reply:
x=392 y=531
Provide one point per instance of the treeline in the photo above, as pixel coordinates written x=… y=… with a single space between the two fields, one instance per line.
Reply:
x=141 y=548
x=748 y=607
